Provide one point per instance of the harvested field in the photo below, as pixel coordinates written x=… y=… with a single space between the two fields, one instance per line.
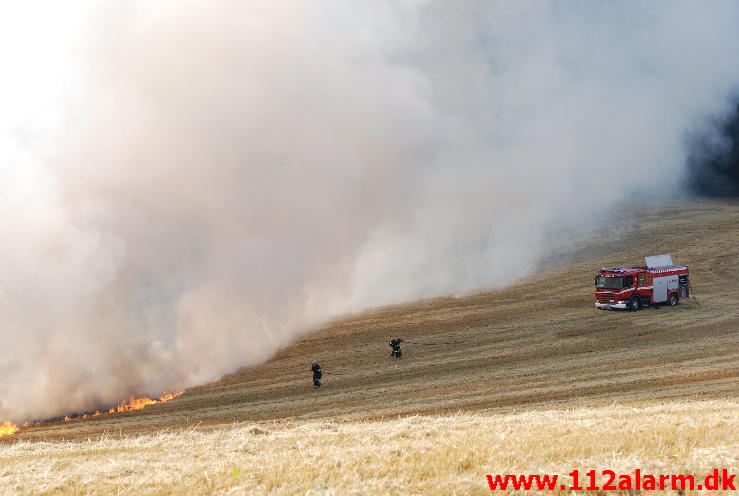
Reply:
x=531 y=378
x=540 y=344
x=431 y=455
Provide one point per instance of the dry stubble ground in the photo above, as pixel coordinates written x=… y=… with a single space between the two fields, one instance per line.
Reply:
x=434 y=455
x=571 y=374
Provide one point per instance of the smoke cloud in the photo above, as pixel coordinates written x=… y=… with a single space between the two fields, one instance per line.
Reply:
x=713 y=158
x=188 y=186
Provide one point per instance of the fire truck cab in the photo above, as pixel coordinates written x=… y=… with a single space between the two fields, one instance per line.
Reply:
x=659 y=281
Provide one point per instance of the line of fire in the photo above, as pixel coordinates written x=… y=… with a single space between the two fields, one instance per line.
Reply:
x=133 y=403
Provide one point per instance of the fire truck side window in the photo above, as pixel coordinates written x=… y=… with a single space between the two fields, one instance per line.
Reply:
x=629 y=281
x=642 y=279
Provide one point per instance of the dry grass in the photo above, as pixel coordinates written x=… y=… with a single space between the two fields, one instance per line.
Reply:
x=429 y=455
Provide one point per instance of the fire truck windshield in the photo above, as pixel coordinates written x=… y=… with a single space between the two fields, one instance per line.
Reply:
x=609 y=282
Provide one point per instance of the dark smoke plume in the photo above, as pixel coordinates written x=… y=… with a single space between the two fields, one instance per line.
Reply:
x=713 y=162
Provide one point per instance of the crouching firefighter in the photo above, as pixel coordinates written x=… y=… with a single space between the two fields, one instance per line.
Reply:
x=395 y=345
x=317 y=374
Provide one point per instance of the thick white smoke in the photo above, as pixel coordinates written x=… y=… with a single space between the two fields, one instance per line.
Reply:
x=186 y=186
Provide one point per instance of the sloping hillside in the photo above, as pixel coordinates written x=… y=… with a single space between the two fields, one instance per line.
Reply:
x=539 y=344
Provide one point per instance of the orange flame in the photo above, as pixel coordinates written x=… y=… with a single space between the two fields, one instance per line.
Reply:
x=6 y=429
x=133 y=403
x=169 y=396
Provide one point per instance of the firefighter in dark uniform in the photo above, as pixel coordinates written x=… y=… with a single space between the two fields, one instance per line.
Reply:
x=317 y=374
x=395 y=345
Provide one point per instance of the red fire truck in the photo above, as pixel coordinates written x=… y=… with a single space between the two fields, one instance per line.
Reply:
x=659 y=281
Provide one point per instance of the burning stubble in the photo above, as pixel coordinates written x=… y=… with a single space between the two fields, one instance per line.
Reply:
x=207 y=181
x=132 y=404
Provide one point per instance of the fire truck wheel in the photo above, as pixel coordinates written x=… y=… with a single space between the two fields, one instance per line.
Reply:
x=634 y=304
x=673 y=300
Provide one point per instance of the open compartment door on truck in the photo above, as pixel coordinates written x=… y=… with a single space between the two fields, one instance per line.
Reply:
x=684 y=286
x=659 y=290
